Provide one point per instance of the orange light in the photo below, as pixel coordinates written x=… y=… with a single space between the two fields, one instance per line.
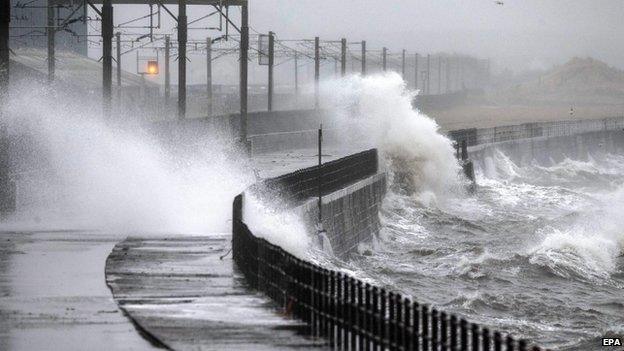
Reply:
x=152 y=67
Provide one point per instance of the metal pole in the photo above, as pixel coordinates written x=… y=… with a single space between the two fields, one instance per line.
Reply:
x=384 y=59
x=447 y=74
x=320 y=173
x=416 y=71
x=296 y=74
x=428 y=74
x=5 y=18
x=317 y=67
x=403 y=64
x=107 y=56
x=244 y=56
x=439 y=75
x=118 y=53
x=182 y=37
x=343 y=57
x=363 y=57
x=167 y=76
x=51 y=34
x=118 y=38
x=271 y=62
x=209 y=74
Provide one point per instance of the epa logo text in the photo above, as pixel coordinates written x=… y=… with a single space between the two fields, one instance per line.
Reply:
x=611 y=342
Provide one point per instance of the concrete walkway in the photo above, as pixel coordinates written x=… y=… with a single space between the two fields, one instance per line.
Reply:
x=182 y=293
x=53 y=295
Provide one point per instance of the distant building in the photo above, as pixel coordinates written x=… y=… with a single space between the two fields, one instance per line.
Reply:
x=29 y=20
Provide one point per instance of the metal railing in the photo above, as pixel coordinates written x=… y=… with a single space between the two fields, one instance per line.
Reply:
x=349 y=313
x=478 y=136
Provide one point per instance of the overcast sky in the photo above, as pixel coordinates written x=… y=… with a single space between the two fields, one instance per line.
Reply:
x=536 y=32
x=518 y=34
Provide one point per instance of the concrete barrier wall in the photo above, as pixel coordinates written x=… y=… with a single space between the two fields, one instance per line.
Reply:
x=352 y=191
x=350 y=216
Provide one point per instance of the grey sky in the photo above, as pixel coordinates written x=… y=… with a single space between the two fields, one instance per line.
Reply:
x=519 y=34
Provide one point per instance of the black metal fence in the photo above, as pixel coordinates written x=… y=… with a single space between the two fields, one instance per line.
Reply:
x=349 y=313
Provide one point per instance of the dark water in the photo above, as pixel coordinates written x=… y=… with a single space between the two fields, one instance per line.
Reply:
x=537 y=251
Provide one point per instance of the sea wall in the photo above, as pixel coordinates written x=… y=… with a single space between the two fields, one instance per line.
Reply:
x=351 y=191
x=350 y=216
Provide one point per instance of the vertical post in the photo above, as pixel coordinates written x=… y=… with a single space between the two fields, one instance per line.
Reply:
x=118 y=53
x=439 y=75
x=51 y=31
x=428 y=90
x=403 y=64
x=244 y=56
x=384 y=58
x=448 y=75
x=107 y=55
x=209 y=74
x=317 y=67
x=5 y=19
x=363 y=57
x=118 y=40
x=343 y=57
x=271 y=62
x=182 y=37
x=320 y=174
x=416 y=71
x=167 y=76
x=296 y=74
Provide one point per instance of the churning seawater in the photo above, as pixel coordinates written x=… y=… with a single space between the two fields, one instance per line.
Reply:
x=536 y=251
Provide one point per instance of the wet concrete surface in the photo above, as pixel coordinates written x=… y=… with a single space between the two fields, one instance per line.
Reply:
x=183 y=294
x=53 y=294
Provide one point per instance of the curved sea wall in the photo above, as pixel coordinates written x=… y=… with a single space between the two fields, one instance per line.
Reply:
x=349 y=313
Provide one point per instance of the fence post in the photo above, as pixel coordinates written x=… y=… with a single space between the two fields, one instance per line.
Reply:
x=398 y=320
x=453 y=343
x=498 y=341
x=391 y=321
x=522 y=345
x=368 y=321
x=383 y=307
x=509 y=343
x=376 y=320
x=407 y=323
x=485 y=339
x=425 y=328
x=332 y=308
x=340 y=315
x=475 y=337
x=354 y=313
x=443 y=332
x=463 y=331
x=434 y=329
x=415 y=329
x=361 y=315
